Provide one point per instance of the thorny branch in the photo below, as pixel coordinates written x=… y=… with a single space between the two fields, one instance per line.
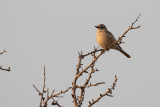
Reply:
x=44 y=99
x=108 y=93
x=78 y=100
x=90 y=85
x=119 y=40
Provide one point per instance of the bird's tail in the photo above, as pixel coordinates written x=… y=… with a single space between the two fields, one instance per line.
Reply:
x=123 y=52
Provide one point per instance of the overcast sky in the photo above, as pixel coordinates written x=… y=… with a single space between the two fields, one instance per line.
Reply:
x=51 y=32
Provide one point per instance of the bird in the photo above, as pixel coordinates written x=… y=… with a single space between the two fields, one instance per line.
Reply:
x=105 y=38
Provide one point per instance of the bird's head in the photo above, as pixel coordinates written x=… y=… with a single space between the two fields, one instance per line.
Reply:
x=101 y=27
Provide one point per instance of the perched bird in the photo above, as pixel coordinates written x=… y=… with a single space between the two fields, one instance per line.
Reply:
x=105 y=38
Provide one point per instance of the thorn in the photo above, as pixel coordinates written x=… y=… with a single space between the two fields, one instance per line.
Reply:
x=78 y=53
x=94 y=47
x=116 y=77
x=72 y=95
x=85 y=71
x=9 y=69
x=81 y=52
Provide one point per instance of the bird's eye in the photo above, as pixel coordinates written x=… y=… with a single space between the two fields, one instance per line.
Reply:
x=101 y=27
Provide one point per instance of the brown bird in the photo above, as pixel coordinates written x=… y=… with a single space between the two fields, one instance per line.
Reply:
x=105 y=38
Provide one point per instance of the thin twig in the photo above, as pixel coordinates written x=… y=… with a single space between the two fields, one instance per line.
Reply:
x=37 y=89
x=87 y=86
x=43 y=90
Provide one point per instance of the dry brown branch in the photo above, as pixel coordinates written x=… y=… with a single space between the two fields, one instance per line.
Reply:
x=107 y=93
x=37 y=89
x=87 y=86
x=55 y=95
x=78 y=100
x=119 y=40
x=45 y=98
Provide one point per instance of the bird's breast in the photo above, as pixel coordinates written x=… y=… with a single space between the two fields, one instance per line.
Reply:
x=102 y=40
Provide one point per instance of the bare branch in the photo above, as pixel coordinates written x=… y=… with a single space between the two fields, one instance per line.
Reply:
x=43 y=90
x=81 y=97
x=56 y=95
x=107 y=93
x=62 y=92
x=87 y=86
x=123 y=35
x=44 y=100
x=97 y=50
x=79 y=62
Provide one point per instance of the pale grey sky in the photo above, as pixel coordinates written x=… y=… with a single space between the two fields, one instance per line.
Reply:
x=51 y=32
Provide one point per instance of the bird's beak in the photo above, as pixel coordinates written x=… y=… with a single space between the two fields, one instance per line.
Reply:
x=96 y=26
